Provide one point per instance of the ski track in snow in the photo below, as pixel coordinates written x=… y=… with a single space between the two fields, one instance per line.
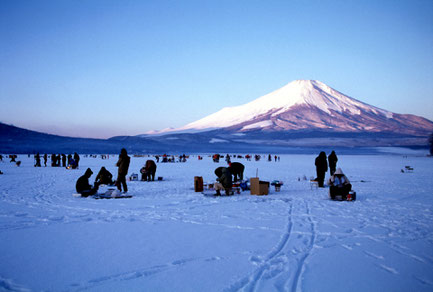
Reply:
x=136 y=274
x=283 y=267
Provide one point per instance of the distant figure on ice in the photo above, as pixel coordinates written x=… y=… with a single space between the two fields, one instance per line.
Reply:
x=63 y=160
x=123 y=165
x=237 y=170
x=53 y=160
x=83 y=187
x=77 y=159
x=332 y=159
x=269 y=157
x=321 y=168
x=228 y=158
x=148 y=171
x=339 y=185
x=104 y=177
x=224 y=180
x=37 y=160
x=45 y=159
x=72 y=163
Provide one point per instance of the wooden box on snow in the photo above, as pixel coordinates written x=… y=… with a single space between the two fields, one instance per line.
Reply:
x=258 y=187
x=198 y=184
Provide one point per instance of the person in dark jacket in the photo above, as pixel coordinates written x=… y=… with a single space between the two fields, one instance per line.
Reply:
x=77 y=159
x=224 y=180
x=332 y=159
x=148 y=171
x=237 y=170
x=63 y=160
x=38 y=160
x=123 y=165
x=45 y=159
x=321 y=168
x=104 y=177
x=83 y=187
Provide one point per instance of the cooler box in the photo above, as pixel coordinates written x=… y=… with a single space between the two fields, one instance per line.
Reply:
x=351 y=196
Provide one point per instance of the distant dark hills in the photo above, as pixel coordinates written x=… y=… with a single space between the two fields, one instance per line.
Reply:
x=18 y=140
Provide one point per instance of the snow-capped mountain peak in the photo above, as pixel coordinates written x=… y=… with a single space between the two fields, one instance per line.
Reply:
x=307 y=105
x=299 y=92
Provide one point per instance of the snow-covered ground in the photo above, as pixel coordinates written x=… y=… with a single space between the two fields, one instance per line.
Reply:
x=169 y=238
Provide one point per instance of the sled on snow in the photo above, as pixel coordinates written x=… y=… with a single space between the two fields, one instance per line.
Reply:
x=351 y=196
x=109 y=194
x=119 y=196
x=213 y=193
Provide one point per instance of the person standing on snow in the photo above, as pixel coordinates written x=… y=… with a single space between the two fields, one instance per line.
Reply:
x=63 y=160
x=38 y=160
x=123 y=165
x=321 y=168
x=332 y=159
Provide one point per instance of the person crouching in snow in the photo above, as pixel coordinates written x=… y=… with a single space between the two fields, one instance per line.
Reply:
x=224 y=180
x=104 y=177
x=339 y=185
x=83 y=187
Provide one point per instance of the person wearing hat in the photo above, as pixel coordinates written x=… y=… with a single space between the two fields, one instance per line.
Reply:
x=83 y=187
x=339 y=185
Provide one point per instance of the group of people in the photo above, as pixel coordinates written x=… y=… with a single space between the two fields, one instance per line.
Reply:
x=58 y=160
x=225 y=179
x=84 y=188
x=339 y=184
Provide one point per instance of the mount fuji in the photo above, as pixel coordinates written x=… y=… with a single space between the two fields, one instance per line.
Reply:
x=301 y=117
x=308 y=105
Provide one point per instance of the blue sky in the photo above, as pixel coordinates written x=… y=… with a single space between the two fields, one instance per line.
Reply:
x=105 y=68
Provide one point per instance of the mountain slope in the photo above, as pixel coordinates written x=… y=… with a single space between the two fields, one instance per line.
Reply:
x=309 y=105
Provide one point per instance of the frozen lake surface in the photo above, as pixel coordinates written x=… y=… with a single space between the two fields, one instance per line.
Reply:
x=169 y=238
